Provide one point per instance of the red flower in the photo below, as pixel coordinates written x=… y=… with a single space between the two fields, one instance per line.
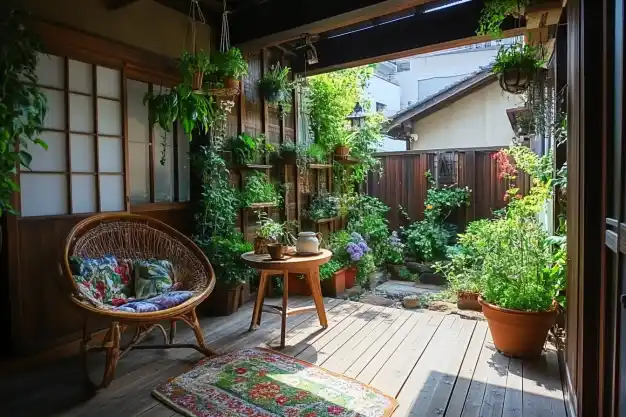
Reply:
x=118 y=302
x=311 y=414
x=301 y=394
x=335 y=410
x=264 y=390
x=241 y=371
x=282 y=400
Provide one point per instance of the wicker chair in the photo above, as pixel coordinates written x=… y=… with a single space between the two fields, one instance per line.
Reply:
x=132 y=236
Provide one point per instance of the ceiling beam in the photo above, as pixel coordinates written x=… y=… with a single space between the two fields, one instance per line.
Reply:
x=422 y=33
x=118 y=4
x=213 y=16
x=280 y=21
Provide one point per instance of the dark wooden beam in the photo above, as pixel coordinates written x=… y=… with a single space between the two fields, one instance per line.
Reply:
x=212 y=14
x=279 y=21
x=425 y=32
x=118 y=4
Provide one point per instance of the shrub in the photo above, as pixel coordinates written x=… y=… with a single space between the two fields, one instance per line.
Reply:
x=427 y=240
x=225 y=252
x=258 y=189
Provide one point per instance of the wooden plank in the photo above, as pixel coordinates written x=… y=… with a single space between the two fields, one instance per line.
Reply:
x=310 y=351
x=159 y=410
x=427 y=390
x=477 y=388
x=466 y=373
x=309 y=331
x=543 y=395
x=327 y=351
x=493 y=401
x=377 y=362
x=391 y=377
x=353 y=348
x=513 y=404
x=373 y=343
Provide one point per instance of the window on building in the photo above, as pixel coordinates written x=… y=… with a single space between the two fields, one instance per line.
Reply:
x=84 y=168
x=380 y=107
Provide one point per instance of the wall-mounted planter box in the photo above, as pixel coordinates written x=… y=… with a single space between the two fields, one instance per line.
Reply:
x=335 y=286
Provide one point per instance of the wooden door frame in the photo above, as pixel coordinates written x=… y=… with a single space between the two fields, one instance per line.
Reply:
x=590 y=379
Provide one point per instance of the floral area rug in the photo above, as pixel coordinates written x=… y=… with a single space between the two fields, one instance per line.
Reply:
x=261 y=382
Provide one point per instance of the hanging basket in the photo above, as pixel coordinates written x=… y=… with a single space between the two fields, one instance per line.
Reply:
x=232 y=87
x=516 y=80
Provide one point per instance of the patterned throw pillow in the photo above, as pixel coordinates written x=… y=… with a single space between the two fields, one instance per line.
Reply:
x=152 y=277
x=102 y=280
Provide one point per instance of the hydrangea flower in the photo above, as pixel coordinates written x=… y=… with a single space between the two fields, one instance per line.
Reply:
x=355 y=252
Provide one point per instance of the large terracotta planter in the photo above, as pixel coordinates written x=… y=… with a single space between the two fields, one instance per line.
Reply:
x=466 y=300
x=335 y=286
x=518 y=334
x=350 y=277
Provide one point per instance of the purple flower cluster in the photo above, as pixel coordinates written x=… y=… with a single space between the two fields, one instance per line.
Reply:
x=357 y=248
x=395 y=242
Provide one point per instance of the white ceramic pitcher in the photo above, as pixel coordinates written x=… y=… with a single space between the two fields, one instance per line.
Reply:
x=308 y=242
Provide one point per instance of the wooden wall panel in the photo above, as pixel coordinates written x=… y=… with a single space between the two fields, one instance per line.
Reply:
x=404 y=184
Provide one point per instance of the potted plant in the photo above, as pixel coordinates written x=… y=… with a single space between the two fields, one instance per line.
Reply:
x=323 y=206
x=394 y=255
x=267 y=232
x=194 y=66
x=282 y=240
x=333 y=278
x=231 y=67
x=276 y=88
x=258 y=190
x=517 y=66
x=342 y=144
x=247 y=149
x=231 y=273
x=518 y=286
x=289 y=153
x=24 y=105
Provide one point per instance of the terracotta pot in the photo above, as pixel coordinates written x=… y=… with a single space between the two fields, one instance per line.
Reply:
x=335 y=286
x=298 y=286
x=350 y=277
x=198 y=78
x=232 y=84
x=260 y=245
x=518 y=334
x=224 y=300
x=515 y=80
x=276 y=250
x=342 y=152
x=468 y=301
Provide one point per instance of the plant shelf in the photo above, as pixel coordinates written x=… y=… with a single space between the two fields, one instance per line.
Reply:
x=347 y=161
x=320 y=166
x=261 y=205
x=253 y=166
x=327 y=220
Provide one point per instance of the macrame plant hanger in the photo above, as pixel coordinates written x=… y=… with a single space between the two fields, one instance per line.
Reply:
x=227 y=90
x=195 y=14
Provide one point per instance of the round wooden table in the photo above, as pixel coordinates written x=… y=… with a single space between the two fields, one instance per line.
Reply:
x=305 y=265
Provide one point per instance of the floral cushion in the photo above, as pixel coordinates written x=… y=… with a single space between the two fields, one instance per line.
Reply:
x=160 y=302
x=152 y=277
x=102 y=280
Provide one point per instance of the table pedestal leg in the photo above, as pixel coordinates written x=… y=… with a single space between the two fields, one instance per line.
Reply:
x=283 y=324
x=260 y=298
x=316 y=288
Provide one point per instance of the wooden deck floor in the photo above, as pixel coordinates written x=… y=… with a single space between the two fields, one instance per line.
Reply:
x=435 y=365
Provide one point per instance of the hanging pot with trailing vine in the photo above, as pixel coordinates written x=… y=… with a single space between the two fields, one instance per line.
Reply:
x=517 y=66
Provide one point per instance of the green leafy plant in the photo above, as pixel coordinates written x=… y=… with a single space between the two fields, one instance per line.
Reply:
x=337 y=243
x=258 y=189
x=216 y=207
x=192 y=63
x=328 y=269
x=22 y=104
x=524 y=57
x=276 y=87
x=324 y=206
x=366 y=215
x=494 y=12
x=393 y=250
x=273 y=230
x=247 y=149
x=316 y=154
x=225 y=252
x=427 y=241
x=440 y=202
x=231 y=63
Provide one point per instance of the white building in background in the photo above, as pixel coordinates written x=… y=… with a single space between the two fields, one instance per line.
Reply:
x=398 y=85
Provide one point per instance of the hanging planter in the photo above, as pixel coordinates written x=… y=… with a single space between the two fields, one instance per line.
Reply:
x=517 y=66
x=276 y=88
x=231 y=66
x=196 y=83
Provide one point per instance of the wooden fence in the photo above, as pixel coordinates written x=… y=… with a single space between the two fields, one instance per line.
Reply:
x=404 y=183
